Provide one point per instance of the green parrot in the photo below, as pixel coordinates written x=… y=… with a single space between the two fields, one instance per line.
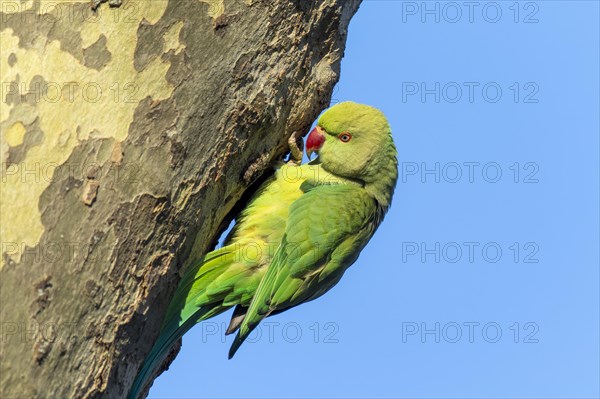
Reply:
x=296 y=237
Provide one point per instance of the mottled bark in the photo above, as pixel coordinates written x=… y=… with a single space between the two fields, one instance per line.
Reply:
x=128 y=136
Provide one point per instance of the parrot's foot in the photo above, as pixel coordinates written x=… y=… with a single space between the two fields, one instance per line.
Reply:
x=296 y=144
x=111 y=3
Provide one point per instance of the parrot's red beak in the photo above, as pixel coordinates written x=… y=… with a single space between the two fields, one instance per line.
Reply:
x=315 y=141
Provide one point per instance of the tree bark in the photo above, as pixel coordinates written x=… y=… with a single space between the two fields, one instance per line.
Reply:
x=128 y=137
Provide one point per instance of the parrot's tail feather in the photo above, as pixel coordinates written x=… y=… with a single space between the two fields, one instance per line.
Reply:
x=236 y=320
x=214 y=263
x=185 y=310
x=157 y=355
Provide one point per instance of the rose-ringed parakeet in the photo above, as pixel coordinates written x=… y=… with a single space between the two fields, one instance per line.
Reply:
x=296 y=237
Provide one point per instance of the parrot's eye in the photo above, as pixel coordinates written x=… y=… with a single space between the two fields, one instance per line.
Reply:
x=345 y=137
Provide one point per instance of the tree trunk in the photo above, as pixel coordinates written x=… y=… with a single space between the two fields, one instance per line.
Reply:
x=128 y=137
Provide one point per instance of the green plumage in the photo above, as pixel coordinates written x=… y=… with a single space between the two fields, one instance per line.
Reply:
x=296 y=237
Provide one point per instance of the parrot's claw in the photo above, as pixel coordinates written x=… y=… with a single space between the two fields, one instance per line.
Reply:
x=111 y=3
x=296 y=144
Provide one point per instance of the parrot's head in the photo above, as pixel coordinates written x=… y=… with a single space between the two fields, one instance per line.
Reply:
x=355 y=141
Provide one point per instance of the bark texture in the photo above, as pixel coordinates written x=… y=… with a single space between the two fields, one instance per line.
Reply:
x=128 y=136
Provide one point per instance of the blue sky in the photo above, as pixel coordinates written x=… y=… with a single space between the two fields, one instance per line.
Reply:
x=483 y=279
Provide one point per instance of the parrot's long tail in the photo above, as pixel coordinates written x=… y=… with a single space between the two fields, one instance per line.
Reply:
x=189 y=306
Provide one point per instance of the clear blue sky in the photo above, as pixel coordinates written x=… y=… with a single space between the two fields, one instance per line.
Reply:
x=483 y=279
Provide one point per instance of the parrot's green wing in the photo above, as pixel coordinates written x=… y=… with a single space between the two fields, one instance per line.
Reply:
x=327 y=228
